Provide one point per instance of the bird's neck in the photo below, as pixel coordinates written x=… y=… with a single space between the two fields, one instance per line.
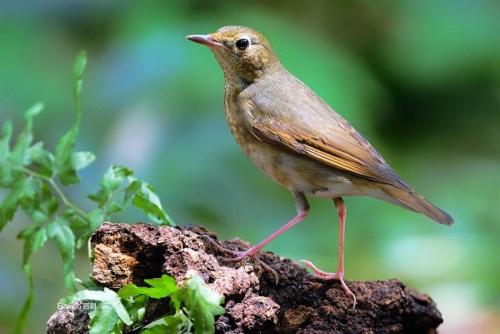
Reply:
x=235 y=84
x=237 y=81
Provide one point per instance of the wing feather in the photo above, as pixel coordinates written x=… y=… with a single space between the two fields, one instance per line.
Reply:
x=303 y=123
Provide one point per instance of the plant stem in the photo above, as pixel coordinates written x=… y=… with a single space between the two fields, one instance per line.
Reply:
x=56 y=188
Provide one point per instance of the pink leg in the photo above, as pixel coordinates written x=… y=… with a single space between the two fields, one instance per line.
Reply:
x=302 y=212
x=339 y=204
x=255 y=249
x=339 y=275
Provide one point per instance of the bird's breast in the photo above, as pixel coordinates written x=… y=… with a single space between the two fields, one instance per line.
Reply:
x=264 y=155
x=236 y=123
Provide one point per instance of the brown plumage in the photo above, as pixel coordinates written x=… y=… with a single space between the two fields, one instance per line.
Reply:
x=295 y=138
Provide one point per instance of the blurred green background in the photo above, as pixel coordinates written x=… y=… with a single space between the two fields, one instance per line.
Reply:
x=420 y=79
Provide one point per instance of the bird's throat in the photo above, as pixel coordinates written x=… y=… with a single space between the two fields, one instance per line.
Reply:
x=235 y=84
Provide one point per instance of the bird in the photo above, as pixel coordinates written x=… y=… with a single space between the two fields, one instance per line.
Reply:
x=300 y=142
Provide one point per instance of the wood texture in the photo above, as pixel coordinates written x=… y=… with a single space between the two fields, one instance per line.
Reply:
x=254 y=301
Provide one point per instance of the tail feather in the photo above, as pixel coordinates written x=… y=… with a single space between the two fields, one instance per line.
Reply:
x=413 y=201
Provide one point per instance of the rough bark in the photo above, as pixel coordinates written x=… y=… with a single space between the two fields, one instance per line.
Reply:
x=264 y=294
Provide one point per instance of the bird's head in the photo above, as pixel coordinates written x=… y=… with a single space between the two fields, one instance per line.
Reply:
x=243 y=53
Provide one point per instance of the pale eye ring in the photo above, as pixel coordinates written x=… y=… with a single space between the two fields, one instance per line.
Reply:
x=242 y=43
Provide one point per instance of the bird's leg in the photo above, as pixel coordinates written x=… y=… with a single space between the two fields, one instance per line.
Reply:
x=339 y=275
x=255 y=249
x=302 y=211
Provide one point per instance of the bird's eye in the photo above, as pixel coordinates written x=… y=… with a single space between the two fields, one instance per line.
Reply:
x=242 y=44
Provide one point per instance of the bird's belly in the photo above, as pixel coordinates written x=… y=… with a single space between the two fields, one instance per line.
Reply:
x=302 y=174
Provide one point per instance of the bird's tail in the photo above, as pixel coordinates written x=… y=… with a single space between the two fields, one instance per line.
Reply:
x=413 y=201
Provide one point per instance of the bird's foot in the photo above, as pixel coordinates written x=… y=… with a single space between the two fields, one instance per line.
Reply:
x=240 y=255
x=330 y=276
x=237 y=255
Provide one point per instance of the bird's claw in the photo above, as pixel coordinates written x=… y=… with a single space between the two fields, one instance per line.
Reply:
x=218 y=246
x=339 y=276
x=240 y=255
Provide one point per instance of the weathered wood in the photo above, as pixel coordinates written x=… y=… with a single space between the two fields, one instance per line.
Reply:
x=257 y=299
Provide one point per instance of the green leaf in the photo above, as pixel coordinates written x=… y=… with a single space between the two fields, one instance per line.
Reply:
x=122 y=172
x=34 y=239
x=111 y=181
x=107 y=296
x=78 y=71
x=81 y=160
x=36 y=109
x=159 y=288
x=5 y=141
x=6 y=177
x=21 y=188
x=19 y=154
x=23 y=315
x=158 y=329
x=64 y=155
x=137 y=192
x=172 y=324
x=65 y=165
x=147 y=200
x=68 y=163
x=42 y=205
x=202 y=302
x=178 y=323
x=113 y=207
x=94 y=218
x=76 y=221
x=136 y=307
x=59 y=231
x=103 y=320
x=42 y=158
x=130 y=192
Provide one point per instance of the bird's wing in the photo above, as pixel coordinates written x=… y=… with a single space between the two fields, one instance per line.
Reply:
x=291 y=115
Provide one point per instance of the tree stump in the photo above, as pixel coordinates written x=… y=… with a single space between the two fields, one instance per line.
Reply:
x=265 y=294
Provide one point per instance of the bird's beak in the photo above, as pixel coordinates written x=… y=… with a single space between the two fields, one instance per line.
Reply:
x=207 y=40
